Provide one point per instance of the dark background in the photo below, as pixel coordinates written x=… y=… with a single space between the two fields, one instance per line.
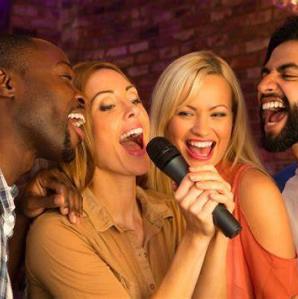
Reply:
x=144 y=36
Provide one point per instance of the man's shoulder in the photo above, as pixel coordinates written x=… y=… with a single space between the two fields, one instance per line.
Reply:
x=284 y=175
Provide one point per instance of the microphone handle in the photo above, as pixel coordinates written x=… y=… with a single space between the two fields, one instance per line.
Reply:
x=176 y=169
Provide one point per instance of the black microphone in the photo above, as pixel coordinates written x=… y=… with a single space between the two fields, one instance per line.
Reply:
x=169 y=160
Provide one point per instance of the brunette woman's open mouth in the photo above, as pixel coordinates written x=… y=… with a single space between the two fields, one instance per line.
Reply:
x=133 y=141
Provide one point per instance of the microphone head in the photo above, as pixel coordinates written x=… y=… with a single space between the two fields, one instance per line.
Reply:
x=161 y=151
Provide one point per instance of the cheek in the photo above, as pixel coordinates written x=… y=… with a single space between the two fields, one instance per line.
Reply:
x=290 y=91
x=175 y=130
x=225 y=132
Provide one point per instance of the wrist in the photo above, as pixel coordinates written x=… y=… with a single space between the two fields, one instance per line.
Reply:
x=195 y=239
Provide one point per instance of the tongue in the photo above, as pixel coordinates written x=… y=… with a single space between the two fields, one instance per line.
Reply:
x=130 y=145
x=203 y=151
x=277 y=116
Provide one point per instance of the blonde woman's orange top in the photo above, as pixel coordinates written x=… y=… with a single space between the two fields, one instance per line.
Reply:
x=252 y=271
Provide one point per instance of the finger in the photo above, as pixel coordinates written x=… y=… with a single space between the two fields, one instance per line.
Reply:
x=45 y=202
x=36 y=204
x=208 y=176
x=190 y=198
x=72 y=217
x=227 y=201
x=202 y=168
x=183 y=188
x=204 y=176
x=52 y=183
x=75 y=200
x=207 y=210
x=64 y=211
x=200 y=201
x=218 y=186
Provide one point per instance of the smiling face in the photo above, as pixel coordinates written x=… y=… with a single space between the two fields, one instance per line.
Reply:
x=48 y=112
x=278 y=97
x=201 y=128
x=120 y=123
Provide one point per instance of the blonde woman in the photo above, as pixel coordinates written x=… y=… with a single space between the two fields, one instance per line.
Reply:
x=198 y=105
x=130 y=242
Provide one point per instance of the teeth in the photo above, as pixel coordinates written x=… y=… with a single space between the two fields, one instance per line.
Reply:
x=136 y=132
x=201 y=144
x=78 y=117
x=272 y=105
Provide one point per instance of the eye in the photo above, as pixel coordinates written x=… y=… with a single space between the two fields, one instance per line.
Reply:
x=136 y=101
x=108 y=107
x=289 y=76
x=219 y=114
x=184 y=113
x=67 y=76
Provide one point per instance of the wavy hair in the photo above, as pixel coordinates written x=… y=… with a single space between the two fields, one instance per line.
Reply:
x=180 y=81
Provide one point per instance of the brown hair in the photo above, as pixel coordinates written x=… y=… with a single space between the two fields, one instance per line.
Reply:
x=81 y=169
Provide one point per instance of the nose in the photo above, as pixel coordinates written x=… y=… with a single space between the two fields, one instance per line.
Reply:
x=268 y=84
x=131 y=110
x=201 y=126
x=80 y=100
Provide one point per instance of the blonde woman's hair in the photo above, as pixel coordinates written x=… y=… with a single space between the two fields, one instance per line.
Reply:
x=81 y=169
x=179 y=82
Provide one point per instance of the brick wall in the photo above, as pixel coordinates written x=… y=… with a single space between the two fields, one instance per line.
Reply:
x=143 y=36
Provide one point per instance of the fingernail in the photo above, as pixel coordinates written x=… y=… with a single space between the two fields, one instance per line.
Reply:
x=73 y=217
x=192 y=178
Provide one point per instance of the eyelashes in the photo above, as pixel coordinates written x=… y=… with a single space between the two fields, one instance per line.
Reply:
x=107 y=107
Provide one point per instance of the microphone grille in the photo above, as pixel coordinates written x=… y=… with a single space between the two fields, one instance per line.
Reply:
x=161 y=151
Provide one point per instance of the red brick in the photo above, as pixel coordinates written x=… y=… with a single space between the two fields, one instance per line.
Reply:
x=245 y=61
x=138 y=47
x=220 y=14
x=256 y=45
x=147 y=57
x=254 y=73
x=184 y=35
x=125 y=61
x=120 y=51
x=135 y=71
x=168 y=52
x=260 y=17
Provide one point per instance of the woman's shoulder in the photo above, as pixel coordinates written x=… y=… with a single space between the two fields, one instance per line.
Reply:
x=262 y=206
x=51 y=226
x=256 y=181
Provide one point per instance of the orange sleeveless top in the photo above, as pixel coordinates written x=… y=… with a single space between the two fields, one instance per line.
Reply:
x=252 y=271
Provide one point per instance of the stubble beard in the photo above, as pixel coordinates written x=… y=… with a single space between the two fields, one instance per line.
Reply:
x=286 y=138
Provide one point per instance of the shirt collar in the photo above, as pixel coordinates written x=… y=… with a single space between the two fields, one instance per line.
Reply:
x=7 y=195
x=155 y=209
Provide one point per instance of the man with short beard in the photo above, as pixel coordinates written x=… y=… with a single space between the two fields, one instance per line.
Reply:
x=278 y=97
x=40 y=117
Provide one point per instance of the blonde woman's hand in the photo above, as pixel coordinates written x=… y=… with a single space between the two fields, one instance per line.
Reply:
x=198 y=195
x=207 y=178
x=196 y=206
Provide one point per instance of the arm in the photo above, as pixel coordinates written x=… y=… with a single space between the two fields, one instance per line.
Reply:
x=186 y=268
x=265 y=212
x=267 y=243
x=212 y=281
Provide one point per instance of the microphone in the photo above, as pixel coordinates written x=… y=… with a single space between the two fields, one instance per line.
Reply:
x=168 y=159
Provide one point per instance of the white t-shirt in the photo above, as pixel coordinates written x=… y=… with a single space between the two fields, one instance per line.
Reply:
x=290 y=195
